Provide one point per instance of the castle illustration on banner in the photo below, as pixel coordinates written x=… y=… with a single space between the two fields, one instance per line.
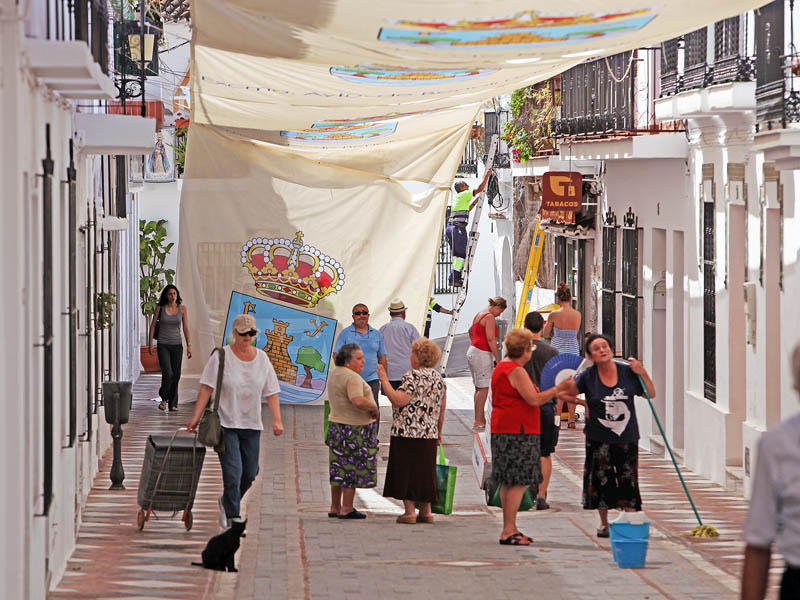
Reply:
x=299 y=344
x=523 y=30
x=390 y=75
x=291 y=271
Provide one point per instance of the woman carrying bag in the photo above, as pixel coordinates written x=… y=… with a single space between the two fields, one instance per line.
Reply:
x=247 y=376
x=170 y=316
x=418 y=407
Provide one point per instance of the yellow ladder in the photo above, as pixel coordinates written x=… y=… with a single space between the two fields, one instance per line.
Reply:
x=530 y=273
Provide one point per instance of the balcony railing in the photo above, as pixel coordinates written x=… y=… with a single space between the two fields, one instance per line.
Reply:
x=469 y=160
x=686 y=64
x=83 y=20
x=777 y=87
x=597 y=97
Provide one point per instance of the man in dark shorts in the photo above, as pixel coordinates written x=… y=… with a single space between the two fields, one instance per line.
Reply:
x=542 y=352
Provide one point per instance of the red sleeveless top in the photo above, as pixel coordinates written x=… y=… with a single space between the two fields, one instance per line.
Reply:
x=510 y=412
x=479 y=335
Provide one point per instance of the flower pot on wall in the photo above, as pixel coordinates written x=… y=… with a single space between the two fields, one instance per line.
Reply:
x=149 y=361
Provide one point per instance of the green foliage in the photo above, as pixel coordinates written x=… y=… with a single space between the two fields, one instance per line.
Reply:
x=528 y=131
x=104 y=303
x=153 y=251
x=181 y=134
x=311 y=358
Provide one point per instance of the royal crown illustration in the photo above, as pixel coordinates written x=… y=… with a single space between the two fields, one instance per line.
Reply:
x=291 y=271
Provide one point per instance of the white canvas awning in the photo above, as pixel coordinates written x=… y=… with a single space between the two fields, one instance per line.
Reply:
x=309 y=116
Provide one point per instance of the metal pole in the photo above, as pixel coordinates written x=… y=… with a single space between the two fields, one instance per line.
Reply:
x=142 y=74
x=73 y=296
x=47 y=314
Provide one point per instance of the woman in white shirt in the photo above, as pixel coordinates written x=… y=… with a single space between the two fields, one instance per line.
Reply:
x=247 y=376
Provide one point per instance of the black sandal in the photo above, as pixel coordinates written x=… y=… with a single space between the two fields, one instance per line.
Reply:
x=162 y=406
x=516 y=539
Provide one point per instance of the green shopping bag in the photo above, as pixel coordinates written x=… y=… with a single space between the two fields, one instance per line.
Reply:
x=525 y=504
x=325 y=421
x=446 y=481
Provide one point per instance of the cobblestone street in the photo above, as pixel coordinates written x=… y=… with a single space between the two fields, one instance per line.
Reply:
x=294 y=551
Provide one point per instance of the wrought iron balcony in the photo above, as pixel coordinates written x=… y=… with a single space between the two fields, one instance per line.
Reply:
x=685 y=61
x=777 y=87
x=81 y=20
x=469 y=160
x=597 y=98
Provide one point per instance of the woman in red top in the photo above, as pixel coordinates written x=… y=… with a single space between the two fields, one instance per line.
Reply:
x=483 y=354
x=515 y=430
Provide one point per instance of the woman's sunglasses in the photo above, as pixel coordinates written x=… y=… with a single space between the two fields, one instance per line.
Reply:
x=252 y=332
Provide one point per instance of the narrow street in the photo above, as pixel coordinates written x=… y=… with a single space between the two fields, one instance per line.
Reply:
x=293 y=550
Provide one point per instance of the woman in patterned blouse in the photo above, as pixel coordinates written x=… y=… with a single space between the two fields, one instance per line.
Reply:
x=418 y=407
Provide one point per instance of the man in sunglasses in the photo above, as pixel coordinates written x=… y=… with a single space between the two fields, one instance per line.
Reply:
x=370 y=341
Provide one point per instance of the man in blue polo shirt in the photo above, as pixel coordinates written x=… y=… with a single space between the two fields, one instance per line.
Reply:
x=370 y=341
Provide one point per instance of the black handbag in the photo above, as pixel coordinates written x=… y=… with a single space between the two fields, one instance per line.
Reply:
x=209 y=429
x=158 y=324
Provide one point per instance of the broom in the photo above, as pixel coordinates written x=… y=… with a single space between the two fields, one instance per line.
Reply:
x=703 y=531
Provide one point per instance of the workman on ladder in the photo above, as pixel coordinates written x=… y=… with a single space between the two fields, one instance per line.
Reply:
x=456 y=230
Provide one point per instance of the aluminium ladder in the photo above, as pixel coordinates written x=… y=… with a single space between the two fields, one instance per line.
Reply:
x=531 y=271
x=472 y=243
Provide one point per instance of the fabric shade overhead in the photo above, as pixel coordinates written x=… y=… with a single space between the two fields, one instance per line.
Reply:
x=312 y=117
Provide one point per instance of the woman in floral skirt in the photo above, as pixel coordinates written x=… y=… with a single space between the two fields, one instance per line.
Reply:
x=352 y=433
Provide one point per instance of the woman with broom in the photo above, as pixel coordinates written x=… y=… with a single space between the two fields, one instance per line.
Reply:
x=611 y=468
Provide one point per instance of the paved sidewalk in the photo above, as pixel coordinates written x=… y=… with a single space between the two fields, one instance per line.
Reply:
x=293 y=550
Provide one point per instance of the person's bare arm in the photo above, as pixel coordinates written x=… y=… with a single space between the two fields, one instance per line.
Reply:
x=275 y=408
x=152 y=330
x=203 y=397
x=491 y=337
x=755 y=572
x=383 y=361
x=186 y=331
x=396 y=397
x=547 y=330
x=441 y=415
x=482 y=186
x=522 y=383
x=366 y=404
x=638 y=368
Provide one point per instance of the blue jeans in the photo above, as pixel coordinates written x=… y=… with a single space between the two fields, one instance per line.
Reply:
x=239 y=465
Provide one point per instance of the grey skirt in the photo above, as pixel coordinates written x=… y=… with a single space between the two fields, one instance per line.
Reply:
x=516 y=459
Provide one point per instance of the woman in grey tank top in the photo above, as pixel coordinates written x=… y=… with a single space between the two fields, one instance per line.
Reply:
x=171 y=316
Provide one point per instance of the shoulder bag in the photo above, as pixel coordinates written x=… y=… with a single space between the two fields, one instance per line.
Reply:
x=209 y=430
x=158 y=323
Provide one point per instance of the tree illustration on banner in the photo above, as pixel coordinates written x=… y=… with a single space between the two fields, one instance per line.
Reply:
x=310 y=358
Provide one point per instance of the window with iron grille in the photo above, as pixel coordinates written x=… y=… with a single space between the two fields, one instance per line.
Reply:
x=669 y=66
x=444 y=263
x=709 y=305
x=630 y=286
x=469 y=160
x=770 y=83
x=730 y=64
x=609 y=289
x=561 y=259
x=695 y=59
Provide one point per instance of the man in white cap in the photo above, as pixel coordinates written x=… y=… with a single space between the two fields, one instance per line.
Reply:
x=398 y=334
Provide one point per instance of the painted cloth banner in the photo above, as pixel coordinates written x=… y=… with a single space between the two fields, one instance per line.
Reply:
x=309 y=120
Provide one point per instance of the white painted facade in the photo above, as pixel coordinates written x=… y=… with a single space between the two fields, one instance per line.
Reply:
x=664 y=180
x=38 y=538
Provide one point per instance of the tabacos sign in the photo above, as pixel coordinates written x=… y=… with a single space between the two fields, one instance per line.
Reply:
x=561 y=191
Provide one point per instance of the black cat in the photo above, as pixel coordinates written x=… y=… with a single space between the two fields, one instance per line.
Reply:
x=221 y=549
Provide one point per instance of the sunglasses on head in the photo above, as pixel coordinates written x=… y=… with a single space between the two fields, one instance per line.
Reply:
x=360 y=312
x=252 y=332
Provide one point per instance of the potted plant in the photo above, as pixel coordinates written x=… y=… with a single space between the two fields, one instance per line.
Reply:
x=153 y=251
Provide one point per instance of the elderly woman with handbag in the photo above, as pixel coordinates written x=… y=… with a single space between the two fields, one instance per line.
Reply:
x=247 y=376
x=352 y=433
x=418 y=407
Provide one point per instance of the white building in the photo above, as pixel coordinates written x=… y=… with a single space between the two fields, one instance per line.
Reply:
x=692 y=258
x=69 y=233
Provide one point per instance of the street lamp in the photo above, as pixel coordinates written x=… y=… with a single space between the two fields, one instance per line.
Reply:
x=133 y=64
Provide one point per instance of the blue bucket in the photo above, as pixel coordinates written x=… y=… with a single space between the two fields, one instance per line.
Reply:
x=629 y=544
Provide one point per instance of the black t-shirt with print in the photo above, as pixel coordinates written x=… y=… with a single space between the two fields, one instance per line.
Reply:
x=612 y=412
